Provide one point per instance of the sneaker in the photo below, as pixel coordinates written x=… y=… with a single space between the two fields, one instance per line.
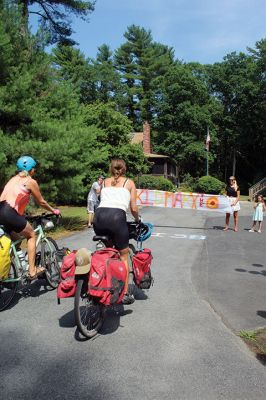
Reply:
x=128 y=299
x=251 y=230
x=259 y=231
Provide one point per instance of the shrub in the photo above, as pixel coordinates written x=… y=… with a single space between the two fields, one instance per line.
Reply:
x=154 y=183
x=209 y=184
x=189 y=184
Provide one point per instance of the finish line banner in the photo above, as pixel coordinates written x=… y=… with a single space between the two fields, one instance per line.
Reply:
x=192 y=201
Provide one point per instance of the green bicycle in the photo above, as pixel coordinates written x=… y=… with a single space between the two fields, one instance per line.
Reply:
x=46 y=256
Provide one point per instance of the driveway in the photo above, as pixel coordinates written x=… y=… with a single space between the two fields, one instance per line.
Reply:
x=170 y=344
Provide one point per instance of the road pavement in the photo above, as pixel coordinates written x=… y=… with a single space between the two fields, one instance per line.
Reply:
x=170 y=344
x=232 y=273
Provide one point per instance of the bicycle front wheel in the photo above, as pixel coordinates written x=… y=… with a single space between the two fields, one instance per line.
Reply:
x=89 y=312
x=49 y=262
x=8 y=287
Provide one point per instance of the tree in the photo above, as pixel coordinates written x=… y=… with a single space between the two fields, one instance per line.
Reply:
x=182 y=113
x=54 y=16
x=237 y=84
x=107 y=80
x=72 y=67
x=140 y=61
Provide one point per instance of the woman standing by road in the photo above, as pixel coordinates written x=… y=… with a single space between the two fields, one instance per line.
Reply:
x=117 y=194
x=13 y=201
x=233 y=192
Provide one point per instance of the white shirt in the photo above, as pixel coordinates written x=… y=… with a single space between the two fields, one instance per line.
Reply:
x=112 y=197
x=93 y=196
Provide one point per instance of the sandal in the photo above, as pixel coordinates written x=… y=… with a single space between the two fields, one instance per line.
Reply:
x=39 y=271
x=128 y=299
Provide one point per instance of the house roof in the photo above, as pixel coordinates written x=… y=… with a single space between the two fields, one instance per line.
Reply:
x=151 y=155
x=137 y=138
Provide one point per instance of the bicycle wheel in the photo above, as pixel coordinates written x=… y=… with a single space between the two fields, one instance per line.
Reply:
x=49 y=262
x=89 y=313
x=8 y=288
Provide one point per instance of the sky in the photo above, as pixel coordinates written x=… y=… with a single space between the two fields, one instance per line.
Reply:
x=198 y=30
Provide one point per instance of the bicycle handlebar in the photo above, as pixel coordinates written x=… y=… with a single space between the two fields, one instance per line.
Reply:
x=37 y=218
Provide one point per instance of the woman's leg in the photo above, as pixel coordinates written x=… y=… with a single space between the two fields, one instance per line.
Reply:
x=90 y=219
x=29 y=234
x=260 y=226
x=128 y=298
x=124 y=258
x=227 y=219
x=235 y=221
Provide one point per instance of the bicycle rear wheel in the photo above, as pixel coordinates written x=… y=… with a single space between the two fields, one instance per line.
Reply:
x=8 y=288
x=89 y=313
x=49 y=262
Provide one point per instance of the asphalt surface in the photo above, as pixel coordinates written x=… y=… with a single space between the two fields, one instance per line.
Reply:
x=170 y=344
x=232 y=273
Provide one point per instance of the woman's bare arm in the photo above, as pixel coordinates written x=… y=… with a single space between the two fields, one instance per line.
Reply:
x=36 y=193
x=238 y=197
x=133 y=200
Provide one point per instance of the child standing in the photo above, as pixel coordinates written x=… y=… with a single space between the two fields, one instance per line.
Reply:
x=259 y=207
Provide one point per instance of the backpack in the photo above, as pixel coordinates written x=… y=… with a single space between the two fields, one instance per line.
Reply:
x=5 y=260
x=141 y=264
x=68 y=283
x=107 y=276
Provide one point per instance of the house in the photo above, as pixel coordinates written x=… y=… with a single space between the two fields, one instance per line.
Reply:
x=161 y=165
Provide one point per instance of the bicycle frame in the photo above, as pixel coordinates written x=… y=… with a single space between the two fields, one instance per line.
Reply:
x=13 y=250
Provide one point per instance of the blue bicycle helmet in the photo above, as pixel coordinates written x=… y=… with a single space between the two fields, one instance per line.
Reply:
x=26 y=163
x=145 y=231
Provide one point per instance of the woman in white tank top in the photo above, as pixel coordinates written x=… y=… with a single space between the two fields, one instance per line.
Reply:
x=117 y=195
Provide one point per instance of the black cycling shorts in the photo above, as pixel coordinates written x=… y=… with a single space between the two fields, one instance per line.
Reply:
x=11 y=219
x=113 y=223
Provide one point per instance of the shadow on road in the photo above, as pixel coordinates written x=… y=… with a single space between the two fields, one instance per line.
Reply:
x=261 y=272
x=33 y=289
x=261 y=313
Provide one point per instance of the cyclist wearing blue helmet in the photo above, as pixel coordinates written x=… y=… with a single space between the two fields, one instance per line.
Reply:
x=13 y=201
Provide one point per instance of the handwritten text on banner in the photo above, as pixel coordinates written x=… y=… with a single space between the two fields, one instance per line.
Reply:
x=196 y=201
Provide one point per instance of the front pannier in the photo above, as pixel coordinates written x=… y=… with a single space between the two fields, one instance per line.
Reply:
x=141 y=263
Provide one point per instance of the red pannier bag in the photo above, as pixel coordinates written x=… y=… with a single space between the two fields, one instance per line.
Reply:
x=107 y=276
x=141 y=263
x=68 y=284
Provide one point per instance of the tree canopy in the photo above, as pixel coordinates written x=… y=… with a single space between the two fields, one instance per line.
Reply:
x=74 y=113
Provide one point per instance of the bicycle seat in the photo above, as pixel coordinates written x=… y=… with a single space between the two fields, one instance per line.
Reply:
x=98 y=238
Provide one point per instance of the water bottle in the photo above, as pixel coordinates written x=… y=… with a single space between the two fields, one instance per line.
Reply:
x=22 y=260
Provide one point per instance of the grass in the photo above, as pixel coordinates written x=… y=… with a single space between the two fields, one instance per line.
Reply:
x=256 y=341
x=248 y=335
x=73 y=219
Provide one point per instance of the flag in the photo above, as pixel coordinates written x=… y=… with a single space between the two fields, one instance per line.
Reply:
x=208 y=139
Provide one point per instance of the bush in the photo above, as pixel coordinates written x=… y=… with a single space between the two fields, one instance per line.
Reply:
x=154 y=183
x=209 y=184
x=189 y=184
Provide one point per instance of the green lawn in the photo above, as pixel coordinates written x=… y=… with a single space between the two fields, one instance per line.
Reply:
x=73 y=219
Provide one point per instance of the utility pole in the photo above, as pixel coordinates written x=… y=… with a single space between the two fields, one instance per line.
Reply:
x=207 y=148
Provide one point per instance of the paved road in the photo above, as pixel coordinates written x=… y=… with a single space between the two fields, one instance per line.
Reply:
x=232 y=273
x=170 y=344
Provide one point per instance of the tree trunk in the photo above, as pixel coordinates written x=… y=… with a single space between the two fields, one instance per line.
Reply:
x=234 y=163
x=25 y=16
